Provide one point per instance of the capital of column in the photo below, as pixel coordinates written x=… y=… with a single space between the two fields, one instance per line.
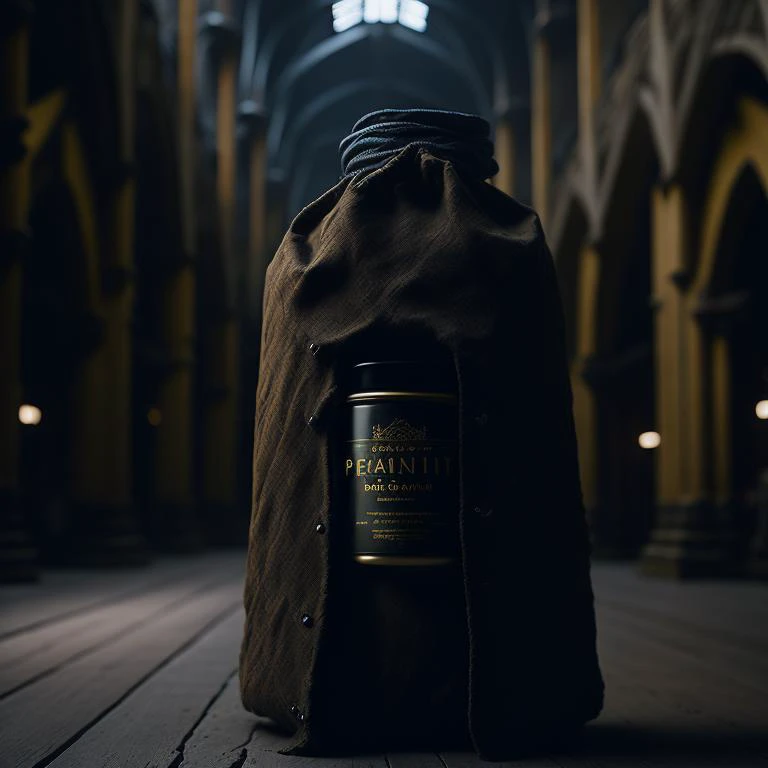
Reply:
x=222 y=30
x=251 y=118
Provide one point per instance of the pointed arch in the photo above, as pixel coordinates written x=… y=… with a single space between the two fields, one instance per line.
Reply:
x=745 y=145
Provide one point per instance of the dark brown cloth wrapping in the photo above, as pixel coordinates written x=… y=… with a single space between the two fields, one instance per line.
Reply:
x=499 y=652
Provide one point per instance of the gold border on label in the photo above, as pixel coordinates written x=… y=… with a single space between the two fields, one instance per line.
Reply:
x=400 y=560
x=395 y=395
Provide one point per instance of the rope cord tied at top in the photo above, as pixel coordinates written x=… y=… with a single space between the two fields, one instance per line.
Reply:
x=461 y=138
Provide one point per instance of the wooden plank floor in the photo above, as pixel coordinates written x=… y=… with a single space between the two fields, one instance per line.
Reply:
x=138 y=668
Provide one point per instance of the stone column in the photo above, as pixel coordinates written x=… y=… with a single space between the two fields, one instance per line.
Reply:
x=18 y=557
x=585 y=394
x=255 y=127
x=179 y=523
x=689 y=537
x=255 y=152
x=221 y=421
x=589 y=77
x=107 y=529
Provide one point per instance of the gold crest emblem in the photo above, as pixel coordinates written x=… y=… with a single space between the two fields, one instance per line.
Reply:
x=399 y=429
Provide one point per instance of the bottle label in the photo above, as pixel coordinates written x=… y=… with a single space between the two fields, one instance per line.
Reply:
x=402 y=474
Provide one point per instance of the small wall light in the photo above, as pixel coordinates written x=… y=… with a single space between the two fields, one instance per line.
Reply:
x=154 y=417
x=649 y=440
x=761 y=410
x=30 y=415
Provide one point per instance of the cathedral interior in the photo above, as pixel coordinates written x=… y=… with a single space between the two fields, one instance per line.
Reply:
x=153 y=153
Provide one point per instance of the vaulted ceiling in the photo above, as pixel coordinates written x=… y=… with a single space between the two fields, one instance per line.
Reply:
x=313 y=82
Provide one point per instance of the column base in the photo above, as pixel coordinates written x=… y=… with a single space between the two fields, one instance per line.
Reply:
x=104 y=536
x=691 y=541
x=19 y=558
x=178 y=527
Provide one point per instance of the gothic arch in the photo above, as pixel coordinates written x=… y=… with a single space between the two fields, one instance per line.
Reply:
x=744 y=145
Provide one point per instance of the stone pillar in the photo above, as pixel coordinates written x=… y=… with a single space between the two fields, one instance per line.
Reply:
x=255 y=126
x=589 y=77
x=541 y=124
x=221 y=422
x=585 y=396
x=179 y=523
x=255 y=151
x=18 y=557
x=690 y=536
x=107 y=529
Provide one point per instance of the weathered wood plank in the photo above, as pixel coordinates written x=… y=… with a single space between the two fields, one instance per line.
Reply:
x=229 y=736
x=680 y=682
x=28 y=655
x=63 y=593
x=265 y=759
x=150 y=726
x=261 y=753
x=745 y=668
x=654 y=718
x=42 y=717
x=220 y=738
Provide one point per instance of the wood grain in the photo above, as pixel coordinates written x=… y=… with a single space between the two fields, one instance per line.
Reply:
x=40 y=718
x=139 y=670
x=149 y=726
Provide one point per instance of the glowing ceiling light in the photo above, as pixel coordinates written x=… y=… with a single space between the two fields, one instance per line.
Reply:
x=388 y=13
x=410 y=13
x=649 y=440
x=372 y=11
x=346 y=13
x=761 y=410
x=413 y=14
x=30 y=415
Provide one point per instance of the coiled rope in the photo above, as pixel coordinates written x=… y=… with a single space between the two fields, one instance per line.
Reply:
x=461 y=138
